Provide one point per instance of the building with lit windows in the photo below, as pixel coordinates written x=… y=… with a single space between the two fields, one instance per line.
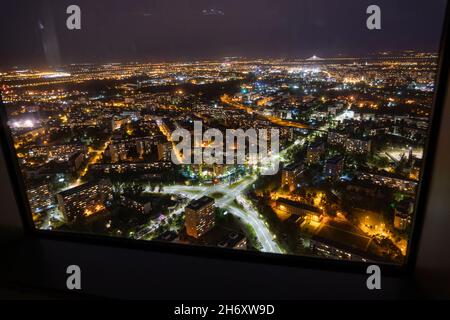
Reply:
x=358 y=145
x=137 y=206
x=403 y=214
x=336 y=138
x=334 y=167
x=40 y=198
x=76 y=160
x=199 y=217
x=164 y=151
x=289 y=175
x=315 y=152
x=85 y=200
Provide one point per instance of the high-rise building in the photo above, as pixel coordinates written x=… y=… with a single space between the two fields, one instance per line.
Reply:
x=85 y=200
x=137 y=206
x=199 y=217
x=403 y=214
x=40 y=198
x=314 y=152
x=164 y=151
x=336 y=138
x=358 y=145
x=334 y=167
x=118 y=151
x=76 y=159
x=289 y=175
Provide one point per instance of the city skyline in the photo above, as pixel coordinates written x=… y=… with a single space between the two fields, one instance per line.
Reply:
x=392 y=54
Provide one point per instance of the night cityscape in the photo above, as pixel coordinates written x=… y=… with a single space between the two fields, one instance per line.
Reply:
x=94 y=146
x=92 y=114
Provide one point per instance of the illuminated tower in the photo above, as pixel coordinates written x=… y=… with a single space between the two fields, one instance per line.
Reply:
x=199 y=216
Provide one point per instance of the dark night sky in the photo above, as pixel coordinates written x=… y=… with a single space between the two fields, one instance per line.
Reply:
x=33 y=32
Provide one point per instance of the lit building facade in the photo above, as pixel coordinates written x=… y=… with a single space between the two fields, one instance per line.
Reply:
x=361 y=146
x=40 y=198
x=199 y=217
x=315 y=152
x=334 y=167
x=403 y=214
x=85 y=200
x=289 y=175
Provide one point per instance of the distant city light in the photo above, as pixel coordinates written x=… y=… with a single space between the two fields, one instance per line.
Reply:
x=50 y=75
x=23 y=124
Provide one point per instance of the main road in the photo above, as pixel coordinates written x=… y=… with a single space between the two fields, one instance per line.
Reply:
x=226 y=201
x=226 y=194
x=280 y=122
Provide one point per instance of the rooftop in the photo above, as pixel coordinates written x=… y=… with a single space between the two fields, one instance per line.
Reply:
x=293 y=166
x=335 y=159
x=300 y=205
x=315 y=144
x=81 y=187
x=200 y=203
x=343 y=235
